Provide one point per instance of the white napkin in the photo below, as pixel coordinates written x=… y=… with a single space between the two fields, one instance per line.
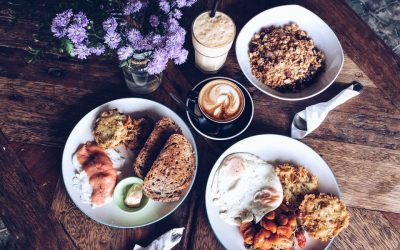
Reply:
x=314 y=115
x=165 y=241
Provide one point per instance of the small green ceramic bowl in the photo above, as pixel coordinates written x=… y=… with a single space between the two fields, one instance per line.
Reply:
x=121 y=190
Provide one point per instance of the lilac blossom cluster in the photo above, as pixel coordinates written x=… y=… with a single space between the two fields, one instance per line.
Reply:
x=160 y=36
x=74 y=27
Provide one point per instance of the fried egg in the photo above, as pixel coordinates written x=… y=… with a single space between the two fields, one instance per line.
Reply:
x=245 y=187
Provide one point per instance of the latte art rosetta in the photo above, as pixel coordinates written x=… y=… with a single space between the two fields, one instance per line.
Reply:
x=221 y=100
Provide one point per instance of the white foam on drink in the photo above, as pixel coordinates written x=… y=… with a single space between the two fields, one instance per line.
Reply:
x=214 y=31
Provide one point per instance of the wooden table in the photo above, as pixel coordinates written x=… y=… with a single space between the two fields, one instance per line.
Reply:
x=360 y=140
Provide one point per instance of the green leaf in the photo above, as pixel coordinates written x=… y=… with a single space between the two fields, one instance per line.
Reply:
x=123 y=64
x=69 y=47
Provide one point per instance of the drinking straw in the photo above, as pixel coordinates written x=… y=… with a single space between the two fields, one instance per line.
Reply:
x=214 y=9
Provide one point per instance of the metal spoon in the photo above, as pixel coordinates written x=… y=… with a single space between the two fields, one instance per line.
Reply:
x=183 y=105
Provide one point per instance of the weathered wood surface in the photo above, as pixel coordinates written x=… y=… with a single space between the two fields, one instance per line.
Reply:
x=360 y=139
x=20 y=198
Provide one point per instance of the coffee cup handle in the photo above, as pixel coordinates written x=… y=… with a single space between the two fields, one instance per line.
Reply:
x=193 y=96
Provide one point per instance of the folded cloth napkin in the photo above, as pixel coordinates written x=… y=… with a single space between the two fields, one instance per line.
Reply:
x=309 y=119
x=165 y=241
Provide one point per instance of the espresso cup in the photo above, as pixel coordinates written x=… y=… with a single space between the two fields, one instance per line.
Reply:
x=220 y=101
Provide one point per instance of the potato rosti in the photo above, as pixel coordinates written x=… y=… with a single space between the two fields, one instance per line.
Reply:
x=111 y=128
x=323 y=216
x=138 y=130
x=296 y=182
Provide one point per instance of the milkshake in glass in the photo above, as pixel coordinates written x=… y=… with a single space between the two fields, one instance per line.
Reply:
x=212 y=38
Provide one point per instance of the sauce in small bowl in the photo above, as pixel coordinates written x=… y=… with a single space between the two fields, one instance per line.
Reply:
x=121 y=191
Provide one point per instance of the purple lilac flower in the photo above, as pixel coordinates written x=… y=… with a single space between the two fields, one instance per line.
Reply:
x=172 y=25
x=185 y=3
x=124 y=53
x=154 y=21
x=110 y=24
x=177 y=14
x=81 y=51
x=98 y=51
x=181 y=57
x=165 y=6
x=145 y=43
x=76 y=33
x=157 y=40
x=81 y=19
x=112 y=39
x=158 y=62
x=177 y=37
x=134 y=36
x=133 y=6
x=60 y=22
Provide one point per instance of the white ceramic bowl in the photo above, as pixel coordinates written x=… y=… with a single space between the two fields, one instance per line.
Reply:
x=110 y=214
x=323 y=36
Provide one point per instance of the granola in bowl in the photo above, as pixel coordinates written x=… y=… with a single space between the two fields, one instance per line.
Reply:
x=285 y=58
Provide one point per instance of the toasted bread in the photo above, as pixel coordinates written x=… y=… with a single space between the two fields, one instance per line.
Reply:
x=172 y=172
x=138 y=130
x=163 y=129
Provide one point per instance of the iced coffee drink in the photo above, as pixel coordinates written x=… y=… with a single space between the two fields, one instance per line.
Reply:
x=212 y=38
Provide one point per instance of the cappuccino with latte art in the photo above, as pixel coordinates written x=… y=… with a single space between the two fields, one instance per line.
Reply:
x=221 y=101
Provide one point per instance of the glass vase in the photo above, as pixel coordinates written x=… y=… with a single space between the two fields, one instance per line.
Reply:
x=139 y=81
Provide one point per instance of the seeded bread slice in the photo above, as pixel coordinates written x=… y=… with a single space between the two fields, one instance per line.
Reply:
x=172 y=172
x=163 y=129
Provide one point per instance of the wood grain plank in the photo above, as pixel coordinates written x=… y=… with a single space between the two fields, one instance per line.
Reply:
x=84 y=232
x=43 y=164
x=394 y=219
x=94 y=73
x=26 y=215
x=368 y=176
x=368 y=230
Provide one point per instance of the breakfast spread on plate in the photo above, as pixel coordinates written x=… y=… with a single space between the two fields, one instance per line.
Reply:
x=274 y=206
x=133 y=159
x=285 y=58
x=165 y=160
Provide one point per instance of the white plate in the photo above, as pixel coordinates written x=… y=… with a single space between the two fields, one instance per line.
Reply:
x=110 y=214
x=271 y=148
x=323 y=36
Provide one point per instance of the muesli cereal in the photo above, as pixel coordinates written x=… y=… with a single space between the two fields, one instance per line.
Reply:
x=285 y=58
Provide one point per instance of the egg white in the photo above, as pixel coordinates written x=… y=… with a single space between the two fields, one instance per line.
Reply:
x=235 y=188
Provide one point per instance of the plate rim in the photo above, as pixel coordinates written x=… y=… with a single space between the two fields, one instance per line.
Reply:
x=222 y=138
x=179 y=202
x=237 y=48
x=262 y=135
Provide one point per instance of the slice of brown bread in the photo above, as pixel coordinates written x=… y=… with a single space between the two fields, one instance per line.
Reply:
x=172 y=172
x=163 y=129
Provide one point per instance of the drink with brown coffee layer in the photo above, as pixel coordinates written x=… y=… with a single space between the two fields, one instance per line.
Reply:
x=221 y=100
